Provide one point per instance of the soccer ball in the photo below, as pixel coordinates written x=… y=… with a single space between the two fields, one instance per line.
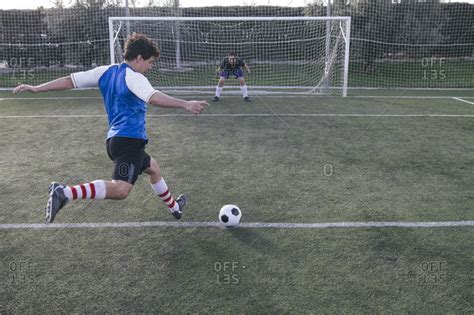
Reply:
x=230 y=215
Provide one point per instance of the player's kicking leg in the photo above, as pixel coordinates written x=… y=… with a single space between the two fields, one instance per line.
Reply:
x=57 y=200
x=130 y=160
x=161 y=189
x=60 y=195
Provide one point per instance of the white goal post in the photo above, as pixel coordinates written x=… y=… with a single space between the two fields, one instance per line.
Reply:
x=307 y=55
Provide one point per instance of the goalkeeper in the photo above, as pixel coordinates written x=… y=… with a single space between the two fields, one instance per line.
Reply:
x=126 y=93
x=232 y=65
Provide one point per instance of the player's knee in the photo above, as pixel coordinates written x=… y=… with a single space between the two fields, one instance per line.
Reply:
x=122 y=191
x=154 y=168
x=122 y=194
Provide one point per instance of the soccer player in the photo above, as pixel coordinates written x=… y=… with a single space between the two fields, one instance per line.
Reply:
x=232 y=65
x=126 y=92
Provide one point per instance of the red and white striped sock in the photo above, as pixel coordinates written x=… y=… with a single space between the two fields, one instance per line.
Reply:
x=92 y=190
x=161 y=189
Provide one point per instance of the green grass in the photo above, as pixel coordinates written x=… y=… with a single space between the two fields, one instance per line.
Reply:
x=384 y=169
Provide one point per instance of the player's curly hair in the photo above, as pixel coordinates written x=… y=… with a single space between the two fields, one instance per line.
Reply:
x=140 y=44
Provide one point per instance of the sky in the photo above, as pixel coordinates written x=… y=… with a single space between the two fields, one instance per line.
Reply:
x=33 y=4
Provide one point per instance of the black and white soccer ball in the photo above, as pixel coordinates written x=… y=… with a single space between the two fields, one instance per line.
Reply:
x=230 y=215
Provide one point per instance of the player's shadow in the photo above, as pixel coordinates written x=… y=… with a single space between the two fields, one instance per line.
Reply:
x=251 y=237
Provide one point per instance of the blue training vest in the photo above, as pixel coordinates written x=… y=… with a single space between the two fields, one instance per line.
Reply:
x=126 y=111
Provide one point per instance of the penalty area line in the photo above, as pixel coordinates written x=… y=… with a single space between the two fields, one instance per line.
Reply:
x=234 y=94
x=248 y=115
x=461 y=100
x=170 y=224
x=52 y=98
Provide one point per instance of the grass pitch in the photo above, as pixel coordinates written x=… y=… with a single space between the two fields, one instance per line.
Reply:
x=281 y=159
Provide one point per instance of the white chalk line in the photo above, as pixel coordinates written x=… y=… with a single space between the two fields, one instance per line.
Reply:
x=461 y=100
x=51 y=98
x=246 y=115
x=233 y=96
x=404 y=96
x=172 y=224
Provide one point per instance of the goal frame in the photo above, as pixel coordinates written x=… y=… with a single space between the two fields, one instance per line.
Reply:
x=346 y=38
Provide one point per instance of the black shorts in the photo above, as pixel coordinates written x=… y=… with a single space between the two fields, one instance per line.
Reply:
x=129 y=156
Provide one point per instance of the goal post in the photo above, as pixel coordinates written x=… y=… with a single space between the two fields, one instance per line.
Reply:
x=303 y=55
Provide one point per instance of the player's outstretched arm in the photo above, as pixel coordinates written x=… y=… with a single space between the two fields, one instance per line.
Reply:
x=64 y=83
x=162 y=100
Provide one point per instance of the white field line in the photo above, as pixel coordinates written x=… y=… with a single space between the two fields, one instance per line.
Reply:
x=51 y=116
x=173 y=224
x=212 y=93
x=461 y=100
x=52 y=98
x=246 y=115
x=404 y=96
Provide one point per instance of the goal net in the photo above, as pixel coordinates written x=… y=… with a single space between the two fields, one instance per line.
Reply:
x=285 y=54
x=395 y=45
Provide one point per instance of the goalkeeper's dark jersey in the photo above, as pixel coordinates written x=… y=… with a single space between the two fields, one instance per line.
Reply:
x=226 y=65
